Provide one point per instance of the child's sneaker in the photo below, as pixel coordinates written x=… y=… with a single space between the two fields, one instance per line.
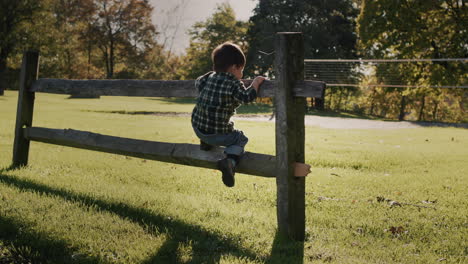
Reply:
x=205 y=146
x=228 y=170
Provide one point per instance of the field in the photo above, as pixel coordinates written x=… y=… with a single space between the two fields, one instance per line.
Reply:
x=374 y=196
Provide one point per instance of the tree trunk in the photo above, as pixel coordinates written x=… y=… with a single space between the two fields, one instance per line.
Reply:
x=421 y=110
x=69 y=66
x=371 y=112
x=2 y=78
x=338 y=107
x=330 y=100
x=319 y=103
x=401 y=116
x=3 y=71
x=434 y=111
x=89 y=60
x=346 y=99
x=106 y=58
x=110 y=74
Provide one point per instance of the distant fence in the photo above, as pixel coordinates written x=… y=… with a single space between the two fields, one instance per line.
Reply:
x=289 y=90
x=362 y=72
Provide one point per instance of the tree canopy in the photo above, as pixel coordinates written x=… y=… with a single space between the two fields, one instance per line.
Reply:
x=328 y=28
x=92 y=39
x=222 y=26
x=416 y=29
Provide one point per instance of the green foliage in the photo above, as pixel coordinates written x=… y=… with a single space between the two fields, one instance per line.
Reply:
x=87 y=39
x=328 y=28
x=161 y=64
x=14 y=15
x=417 y=29
x=222 y=26
x=122 y=29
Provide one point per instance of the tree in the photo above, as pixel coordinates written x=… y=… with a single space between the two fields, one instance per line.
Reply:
x=416 y=29
x=12 y=13
x=222 y=26
x=328 y=28
x=122 y=29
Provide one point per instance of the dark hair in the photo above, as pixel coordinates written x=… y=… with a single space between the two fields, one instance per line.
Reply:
x=226 y=55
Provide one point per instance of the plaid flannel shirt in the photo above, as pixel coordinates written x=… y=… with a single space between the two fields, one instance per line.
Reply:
x=220 y=93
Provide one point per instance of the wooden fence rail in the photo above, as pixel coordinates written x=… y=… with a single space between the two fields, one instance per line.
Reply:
x=289 y=91
x=156 y=88
x=179 y=153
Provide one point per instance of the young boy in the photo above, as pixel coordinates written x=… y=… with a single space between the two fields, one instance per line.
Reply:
x=220 y=93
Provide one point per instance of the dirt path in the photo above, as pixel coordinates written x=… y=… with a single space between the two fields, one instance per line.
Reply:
x=326 y=122
x=354 y=123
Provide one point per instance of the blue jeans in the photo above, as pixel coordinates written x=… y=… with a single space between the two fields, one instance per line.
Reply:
x=234 y=141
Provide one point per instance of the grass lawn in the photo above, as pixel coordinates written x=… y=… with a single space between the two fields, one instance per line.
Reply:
x=374 y=196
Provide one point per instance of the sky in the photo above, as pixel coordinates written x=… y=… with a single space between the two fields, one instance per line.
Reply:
x=174 y=17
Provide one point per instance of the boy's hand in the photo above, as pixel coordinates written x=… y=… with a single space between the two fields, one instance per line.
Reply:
x=257 y=82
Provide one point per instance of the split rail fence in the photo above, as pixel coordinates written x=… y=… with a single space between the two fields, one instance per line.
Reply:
x=289 y=90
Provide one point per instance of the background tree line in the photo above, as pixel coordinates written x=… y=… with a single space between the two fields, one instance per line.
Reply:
x=117 y=39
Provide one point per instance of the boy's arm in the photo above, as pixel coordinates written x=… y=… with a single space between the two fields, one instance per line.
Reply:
x=247 y=95
x=243 y=95
x=257 y=82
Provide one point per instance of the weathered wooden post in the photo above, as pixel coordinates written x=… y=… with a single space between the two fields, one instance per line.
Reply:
x=290 y=134
x=24 y=114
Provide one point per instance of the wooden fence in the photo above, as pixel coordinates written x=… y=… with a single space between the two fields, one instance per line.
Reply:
x=289 y=90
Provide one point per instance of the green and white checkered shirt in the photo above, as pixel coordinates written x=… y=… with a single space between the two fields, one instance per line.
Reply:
x=220 y=93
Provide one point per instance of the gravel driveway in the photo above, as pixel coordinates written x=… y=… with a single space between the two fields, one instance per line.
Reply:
x=326 y=122
x=354 y=123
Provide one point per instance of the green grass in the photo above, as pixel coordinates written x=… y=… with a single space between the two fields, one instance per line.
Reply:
x=78 y=206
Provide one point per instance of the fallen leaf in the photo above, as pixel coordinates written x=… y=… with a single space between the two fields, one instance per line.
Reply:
x=396 y=230
x=360 y=230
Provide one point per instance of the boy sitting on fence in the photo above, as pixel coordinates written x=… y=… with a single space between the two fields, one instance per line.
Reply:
x=220 y=93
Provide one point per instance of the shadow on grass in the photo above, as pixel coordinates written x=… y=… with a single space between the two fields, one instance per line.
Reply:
x=20 y=245
x=207 y=246
x=285 y=250
x=125 y=112
x=341 y=114
x=175 y=100
x=71 y=97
